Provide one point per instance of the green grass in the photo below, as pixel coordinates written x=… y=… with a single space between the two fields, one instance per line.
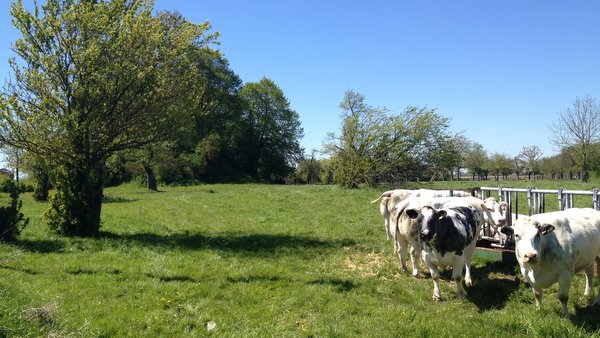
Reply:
x=258 y=261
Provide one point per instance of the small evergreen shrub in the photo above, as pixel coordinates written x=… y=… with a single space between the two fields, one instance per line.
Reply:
x=12 y=221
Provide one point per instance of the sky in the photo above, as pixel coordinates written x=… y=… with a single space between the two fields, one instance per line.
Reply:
x=501 y=71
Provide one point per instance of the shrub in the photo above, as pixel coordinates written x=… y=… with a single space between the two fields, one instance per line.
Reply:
x=12 y=221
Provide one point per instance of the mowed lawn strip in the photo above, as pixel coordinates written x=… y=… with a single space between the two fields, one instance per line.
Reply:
x=254 y=260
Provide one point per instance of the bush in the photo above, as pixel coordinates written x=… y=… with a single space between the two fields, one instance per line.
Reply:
x=12 y=221
x=74 y=205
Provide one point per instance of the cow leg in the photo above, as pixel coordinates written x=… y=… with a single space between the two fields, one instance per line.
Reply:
x=564 y=284
x=388 y=232
x=537 y=294
x=402 y=245
x=589 y=280
x=415 y=256
x=435 y=274
x=457 y=267
x=468 y=259
x=597 y=301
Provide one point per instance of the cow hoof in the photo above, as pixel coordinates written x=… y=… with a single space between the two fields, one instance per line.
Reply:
x=468 y=283
x=437 y=298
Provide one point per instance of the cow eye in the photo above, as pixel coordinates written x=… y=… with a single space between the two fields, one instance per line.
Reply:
x=517 y=237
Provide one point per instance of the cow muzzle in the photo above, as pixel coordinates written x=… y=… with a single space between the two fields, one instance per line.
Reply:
x=426 y=235
x=530 y=257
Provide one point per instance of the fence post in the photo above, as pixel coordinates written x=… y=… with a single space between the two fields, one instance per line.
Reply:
x=560 y=199
x=542 y=203
x=529 y=206
x=595 y=198
x=509 y=219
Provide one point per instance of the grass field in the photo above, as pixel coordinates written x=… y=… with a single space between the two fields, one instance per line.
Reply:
x=254 y=261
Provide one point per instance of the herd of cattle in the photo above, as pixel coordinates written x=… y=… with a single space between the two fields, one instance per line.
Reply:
x=442 y=226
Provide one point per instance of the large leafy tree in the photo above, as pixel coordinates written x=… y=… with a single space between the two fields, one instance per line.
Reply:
x=92 y=78
x=353 y=151
x=375 y=145
x=205 y=148
x=270 y=132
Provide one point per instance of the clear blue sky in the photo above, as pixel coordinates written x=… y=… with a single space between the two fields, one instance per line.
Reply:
x=500 y=70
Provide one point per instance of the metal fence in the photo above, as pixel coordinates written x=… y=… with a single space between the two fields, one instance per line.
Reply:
x=536 y=199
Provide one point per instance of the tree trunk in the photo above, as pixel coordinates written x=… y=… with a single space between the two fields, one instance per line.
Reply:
x=150 y=177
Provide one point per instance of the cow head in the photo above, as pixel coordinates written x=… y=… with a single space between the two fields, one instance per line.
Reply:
x=528 y=235
x=494 y=212
x=427 y=219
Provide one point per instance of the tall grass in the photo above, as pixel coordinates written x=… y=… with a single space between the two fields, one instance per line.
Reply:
x=253 y=261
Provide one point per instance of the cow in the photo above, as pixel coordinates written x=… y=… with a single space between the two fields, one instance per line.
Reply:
x=448 y=237
x=495 y=216
x=551 y=247
x=405 y=229
x=389 y=199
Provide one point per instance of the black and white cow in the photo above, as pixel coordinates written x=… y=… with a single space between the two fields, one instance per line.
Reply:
x=405 y=230
x=551 y=247
x=448 y=238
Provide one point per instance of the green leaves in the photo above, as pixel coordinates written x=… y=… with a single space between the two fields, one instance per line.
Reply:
x=271 y=131
x=376 y=145
x=93 y=78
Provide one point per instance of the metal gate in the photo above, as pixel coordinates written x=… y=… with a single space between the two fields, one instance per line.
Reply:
x=536 y=204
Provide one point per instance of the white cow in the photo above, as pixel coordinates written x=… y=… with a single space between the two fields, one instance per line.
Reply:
x=495 y=216
x=388 y=201
x=551 y=247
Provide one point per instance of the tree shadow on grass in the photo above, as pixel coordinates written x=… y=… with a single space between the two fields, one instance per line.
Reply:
x=339 y=285
x=113 y=199
x=23 y=270
x=42 y=246
x=252 y=244
x=257 y=244
x=493 y=285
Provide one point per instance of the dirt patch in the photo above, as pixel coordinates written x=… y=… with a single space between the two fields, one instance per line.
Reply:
x=369 y=265
x=45 y=314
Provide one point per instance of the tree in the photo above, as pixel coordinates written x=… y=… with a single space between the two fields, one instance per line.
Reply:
x=500 y=165
x=375 y=145
x=208 y=147
x=14 y=158
x=476 y=160
x=518 y=166
x=530 y=157
x=94 y=78
x=461 y=144
x=578 y=128
x=271 y=132
x=354 y=150
x=308 y=170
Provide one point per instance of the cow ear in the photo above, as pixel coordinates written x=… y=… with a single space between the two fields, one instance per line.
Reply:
x=546 y=229
x=412 y=213
x=509 y=231
x=441 y=214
